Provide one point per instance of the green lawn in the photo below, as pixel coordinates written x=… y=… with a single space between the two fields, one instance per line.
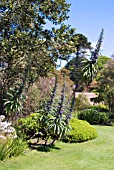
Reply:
x=97 y=154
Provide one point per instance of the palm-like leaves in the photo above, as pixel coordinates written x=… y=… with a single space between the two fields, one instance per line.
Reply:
x=90 y=70
x=12 y=104
x=57 y=127
x=90 y=67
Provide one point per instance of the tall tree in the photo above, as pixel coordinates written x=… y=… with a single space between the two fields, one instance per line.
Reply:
x=75 y=64
x=27 y=48
x=105 y=85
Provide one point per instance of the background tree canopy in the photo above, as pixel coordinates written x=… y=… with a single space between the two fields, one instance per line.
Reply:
x=82 y=69
x=27 y=48
x=105 y=85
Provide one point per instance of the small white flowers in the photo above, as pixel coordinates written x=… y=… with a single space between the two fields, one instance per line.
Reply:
x=2 y=137
x=6 y=130
x=2 y=117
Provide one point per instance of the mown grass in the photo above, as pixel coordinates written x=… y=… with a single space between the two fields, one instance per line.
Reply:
x=97 y=154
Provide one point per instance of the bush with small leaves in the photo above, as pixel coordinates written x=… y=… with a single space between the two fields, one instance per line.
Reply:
x=28 y=126
x=80 y=131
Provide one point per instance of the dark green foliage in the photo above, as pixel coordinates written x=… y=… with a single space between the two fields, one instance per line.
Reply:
x=94 y=116
x=99 y=108
x=104 y=109
x=80 y=131
x=105 y=86
x=75 y=65
x=83 y=70
x=111 y=115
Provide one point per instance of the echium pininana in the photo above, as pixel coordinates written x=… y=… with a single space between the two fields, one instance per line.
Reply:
x=95 y=53
x=52 y=97
x=70 y=107
x=60 y=109
x=90 y=67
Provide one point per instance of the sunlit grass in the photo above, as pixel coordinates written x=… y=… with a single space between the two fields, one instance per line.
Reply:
x=97 y=154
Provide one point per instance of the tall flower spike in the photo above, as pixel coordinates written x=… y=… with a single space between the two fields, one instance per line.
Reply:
x=62 y=99
x=52 y=96
x=70 y=110
x=95 y=53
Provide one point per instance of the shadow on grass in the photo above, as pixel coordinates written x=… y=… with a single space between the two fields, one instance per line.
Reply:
x=43 y=148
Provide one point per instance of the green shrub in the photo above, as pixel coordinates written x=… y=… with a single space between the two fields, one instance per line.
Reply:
x=28 y=126
x=100 y=108
x=80 y=131
x=111 y=115
x=9 y=148
x=94 y=117
x=42 y=126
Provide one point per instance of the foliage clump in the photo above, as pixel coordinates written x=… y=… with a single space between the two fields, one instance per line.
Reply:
x=105 y=86
x=100 y=108
x=81 y=102
x=12 y=147
x=28 y=126
x=80 y=131
x=94 y=117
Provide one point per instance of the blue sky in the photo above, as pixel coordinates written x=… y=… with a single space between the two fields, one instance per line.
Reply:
x=89 y=17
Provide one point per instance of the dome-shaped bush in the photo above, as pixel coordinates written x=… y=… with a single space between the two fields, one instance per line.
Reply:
x=80 y=131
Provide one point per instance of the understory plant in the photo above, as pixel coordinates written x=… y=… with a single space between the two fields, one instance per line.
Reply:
x=10 y=143
x=13 y=104
x=11 y=147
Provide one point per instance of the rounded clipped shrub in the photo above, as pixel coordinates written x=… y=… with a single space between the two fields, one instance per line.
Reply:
x=80 y=131
x=94 y=117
